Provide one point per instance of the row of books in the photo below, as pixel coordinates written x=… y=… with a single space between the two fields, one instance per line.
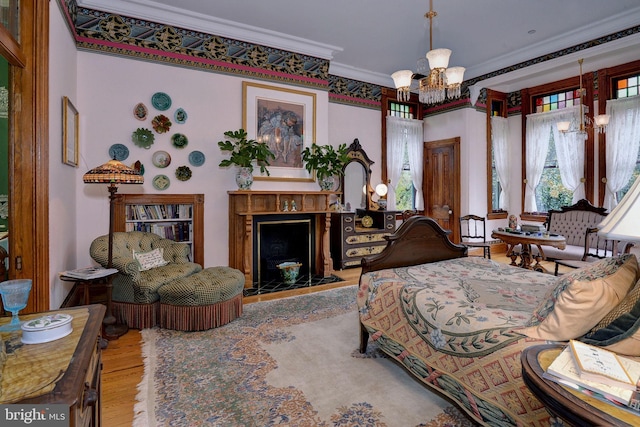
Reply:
x=179 y=231
x=598 y=373
x=145 y=212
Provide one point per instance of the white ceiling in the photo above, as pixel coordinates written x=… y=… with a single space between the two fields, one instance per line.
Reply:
x=370 y=39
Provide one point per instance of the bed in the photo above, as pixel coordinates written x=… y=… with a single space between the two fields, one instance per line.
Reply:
x=459 y=323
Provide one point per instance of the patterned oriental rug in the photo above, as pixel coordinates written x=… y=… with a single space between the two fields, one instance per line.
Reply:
x=288 y=362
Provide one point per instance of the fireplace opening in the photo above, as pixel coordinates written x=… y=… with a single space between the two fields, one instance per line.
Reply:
x=281 y=240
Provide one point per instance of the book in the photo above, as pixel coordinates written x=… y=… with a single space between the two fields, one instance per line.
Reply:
x=597 y=364
x=563 y=370
x=89 y=272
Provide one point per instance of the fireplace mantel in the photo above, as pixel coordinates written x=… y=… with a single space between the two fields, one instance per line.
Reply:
x=244 y=205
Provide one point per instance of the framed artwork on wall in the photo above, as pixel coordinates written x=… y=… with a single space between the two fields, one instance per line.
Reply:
x=286 y=120
x=70 y=132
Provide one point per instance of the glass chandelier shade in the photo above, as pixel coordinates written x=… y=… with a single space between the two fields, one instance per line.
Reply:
x=402 y=82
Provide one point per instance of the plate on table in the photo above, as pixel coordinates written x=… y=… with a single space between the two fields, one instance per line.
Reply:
x=161 y=182
x=118 y=152
x=179 y=140
x=161 y=159
x=196 y=158
x=161 y=101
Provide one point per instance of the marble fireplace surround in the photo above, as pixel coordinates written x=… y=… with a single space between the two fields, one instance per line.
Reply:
x=244 y=206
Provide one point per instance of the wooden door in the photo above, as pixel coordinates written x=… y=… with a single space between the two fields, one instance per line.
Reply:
x=441 y=183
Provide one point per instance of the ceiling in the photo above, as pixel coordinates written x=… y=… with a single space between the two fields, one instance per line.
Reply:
x=370 y=39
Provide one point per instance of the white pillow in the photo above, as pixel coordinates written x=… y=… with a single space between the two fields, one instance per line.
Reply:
x=151 y=259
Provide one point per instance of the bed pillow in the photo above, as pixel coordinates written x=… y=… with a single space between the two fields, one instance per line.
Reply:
x=619 y=330
x=582 y=298
x=150 y=259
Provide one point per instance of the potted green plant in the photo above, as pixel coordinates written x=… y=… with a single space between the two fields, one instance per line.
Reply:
x=244 y=152
x=327 y=161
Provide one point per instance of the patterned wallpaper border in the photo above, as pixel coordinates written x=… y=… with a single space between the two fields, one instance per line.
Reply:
x=126 y=36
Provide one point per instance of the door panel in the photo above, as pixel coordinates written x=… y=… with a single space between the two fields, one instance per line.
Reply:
x=442 y=183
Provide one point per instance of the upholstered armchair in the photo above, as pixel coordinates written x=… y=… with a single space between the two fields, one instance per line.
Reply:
x=136 y=300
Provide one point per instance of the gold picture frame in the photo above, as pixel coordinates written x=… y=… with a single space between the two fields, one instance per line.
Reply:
x=286 y=120
x=70 y=133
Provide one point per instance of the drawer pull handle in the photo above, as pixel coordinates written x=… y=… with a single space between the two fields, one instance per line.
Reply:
x=90 y=396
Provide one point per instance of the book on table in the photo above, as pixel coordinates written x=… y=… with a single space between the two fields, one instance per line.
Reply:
x=89 y=273
x=564 y=370
x=601 y=365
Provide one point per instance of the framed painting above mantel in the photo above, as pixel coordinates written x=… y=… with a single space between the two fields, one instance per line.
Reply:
x=286 y=120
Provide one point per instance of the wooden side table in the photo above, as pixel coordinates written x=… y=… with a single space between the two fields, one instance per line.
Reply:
x=65 y=371
x=111 y=329
x=572 y=406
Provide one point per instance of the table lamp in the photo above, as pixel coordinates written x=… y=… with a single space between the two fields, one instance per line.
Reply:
x=622 y=222
x=381 y=191
x=113 y=173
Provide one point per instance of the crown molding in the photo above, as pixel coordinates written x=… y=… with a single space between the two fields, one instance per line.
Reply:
x=575 y=37
x=156 y=12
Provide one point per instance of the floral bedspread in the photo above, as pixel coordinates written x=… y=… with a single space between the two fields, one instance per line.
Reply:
x=452 y=324
x=464 y=306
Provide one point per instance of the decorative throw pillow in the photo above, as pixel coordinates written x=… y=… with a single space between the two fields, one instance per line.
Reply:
x=619 y=331
x=150 y=259
x=582 y=298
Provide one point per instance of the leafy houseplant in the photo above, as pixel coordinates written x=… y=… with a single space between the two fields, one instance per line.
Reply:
x=243 y=153
x=326 y=161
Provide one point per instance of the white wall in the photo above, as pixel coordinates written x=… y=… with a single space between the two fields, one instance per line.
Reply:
x=62 y=178
x=109 y=87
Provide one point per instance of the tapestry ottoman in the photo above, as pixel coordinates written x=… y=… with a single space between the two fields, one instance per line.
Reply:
x=204 y=300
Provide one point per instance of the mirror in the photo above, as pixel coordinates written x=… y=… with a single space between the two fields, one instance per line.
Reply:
x=355 y=182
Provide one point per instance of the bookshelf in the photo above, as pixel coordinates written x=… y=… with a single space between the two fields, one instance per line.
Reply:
x=178 y=217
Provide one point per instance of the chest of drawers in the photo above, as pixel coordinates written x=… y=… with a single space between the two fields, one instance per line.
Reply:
x=360 y=234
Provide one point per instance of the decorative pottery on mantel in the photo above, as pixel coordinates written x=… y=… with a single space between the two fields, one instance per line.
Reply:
x=244 y=178
x=289 y=271
x=327 y=183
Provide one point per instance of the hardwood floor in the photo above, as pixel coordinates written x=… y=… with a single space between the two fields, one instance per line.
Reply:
x=123 y=366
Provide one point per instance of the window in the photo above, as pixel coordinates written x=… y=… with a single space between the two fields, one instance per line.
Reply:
x=626 y=87
x=550 y=193
x=497 y=140
x=559 y=99
x=405 y=191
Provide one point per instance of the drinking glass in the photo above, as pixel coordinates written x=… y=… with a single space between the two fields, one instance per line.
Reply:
x=15 y=294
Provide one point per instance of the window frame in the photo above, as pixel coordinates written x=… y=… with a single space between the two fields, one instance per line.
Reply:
x=528 y=95
x=496 y=101
x=387 y=96
x=607 y=89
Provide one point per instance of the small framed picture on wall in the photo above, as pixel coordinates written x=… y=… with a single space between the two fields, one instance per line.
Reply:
x=70 y=133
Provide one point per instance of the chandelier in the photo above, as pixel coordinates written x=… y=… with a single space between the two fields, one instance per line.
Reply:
x=436 y=81
x=598 y=124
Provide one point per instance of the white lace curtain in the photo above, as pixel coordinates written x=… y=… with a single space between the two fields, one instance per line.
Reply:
x=499 y=130
x=623 y=141
x=402 y=131
x=569 y=149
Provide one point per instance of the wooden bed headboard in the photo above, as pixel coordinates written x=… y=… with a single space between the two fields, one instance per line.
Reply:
x=418 y=240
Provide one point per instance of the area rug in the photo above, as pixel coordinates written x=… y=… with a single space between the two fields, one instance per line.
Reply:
x=288 y=362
